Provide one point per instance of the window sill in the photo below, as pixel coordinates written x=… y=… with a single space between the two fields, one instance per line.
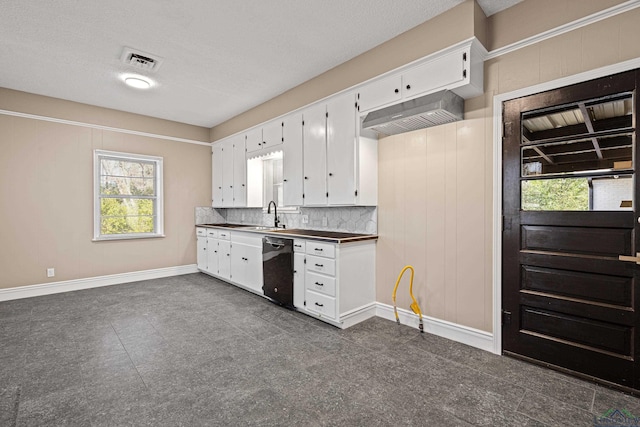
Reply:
x=127 y=237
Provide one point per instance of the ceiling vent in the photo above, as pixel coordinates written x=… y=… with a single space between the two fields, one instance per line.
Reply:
x=141 y=60
x=430 y=110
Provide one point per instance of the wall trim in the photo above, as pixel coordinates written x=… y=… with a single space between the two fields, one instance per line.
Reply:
x=93 y=282
x=453 y=331
x=565 y=28
x=101 y=127
x=497 y=172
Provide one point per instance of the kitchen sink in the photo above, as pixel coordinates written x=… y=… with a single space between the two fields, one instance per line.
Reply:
x=258 y=228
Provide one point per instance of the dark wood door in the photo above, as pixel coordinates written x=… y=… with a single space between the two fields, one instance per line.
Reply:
x=569 y=199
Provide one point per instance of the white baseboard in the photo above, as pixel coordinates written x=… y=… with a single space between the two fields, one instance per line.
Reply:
x=463 y=334
x=93 y=282
x=358 y=315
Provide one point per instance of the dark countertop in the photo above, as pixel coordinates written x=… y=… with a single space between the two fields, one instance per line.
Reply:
x=323 y=235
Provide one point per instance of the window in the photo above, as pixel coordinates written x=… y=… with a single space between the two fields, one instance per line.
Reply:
x=128 y=196
x=272 y=179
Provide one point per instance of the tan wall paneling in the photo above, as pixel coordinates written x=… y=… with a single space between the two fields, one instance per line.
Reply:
x=46 y=188
x=432 y=216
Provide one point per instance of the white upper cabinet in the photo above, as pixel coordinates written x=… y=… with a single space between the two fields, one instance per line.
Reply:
x=444 y=72
x=341 y=149
x=239 y=172
x=459 y=68
x=227 y=173
x=272 y=134
x=292 y=173
x=380 y=92
x=315 y=155
x=216 y=181
x=254 y=139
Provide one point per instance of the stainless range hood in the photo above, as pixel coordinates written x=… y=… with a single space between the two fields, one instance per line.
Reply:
x=429 y=110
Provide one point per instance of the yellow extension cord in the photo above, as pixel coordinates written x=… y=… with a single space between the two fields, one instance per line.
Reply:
x=414 y=305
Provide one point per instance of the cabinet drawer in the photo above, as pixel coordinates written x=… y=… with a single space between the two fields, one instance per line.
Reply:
x=212 y=233
x=321 y=304
x=320 y=283
x=201 y=232
x=321 y=265
x=298 y=245
x=321 y=249
x=224 y=234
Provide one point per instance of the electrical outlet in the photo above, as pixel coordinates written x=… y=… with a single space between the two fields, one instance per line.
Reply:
x=324 y=221
x=51 y=272
x=305 y=219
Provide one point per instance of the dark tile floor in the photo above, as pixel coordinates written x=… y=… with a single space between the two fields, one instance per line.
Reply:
x=192 y=351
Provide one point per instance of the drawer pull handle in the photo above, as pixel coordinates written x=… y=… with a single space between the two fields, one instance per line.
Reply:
x=319 y=265
x=298 y=246
x=318 y=249
x=319 y=305
x=319 y=284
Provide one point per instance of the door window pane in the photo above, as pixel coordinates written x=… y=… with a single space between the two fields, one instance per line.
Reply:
x=579 y=156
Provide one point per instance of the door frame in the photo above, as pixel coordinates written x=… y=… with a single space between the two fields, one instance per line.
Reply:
x=497 y=172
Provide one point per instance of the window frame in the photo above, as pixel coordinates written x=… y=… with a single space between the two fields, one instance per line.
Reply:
x=159 y=196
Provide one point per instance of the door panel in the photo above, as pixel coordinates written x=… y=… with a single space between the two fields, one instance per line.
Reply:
x=568 y=301
x=577 y=240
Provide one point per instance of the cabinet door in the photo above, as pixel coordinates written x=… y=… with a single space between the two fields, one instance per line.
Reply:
x=254 y=139
x=227 y=173
x=379 y=93
x=237 y=263
x=272 y=134
x=253 y=268
x=212 y=255
x=224 y=259
x=315 y=155
x=341 y=150
x=239 y=173
x=201 y=253
x=216 y=176
x=444 y=72
x=292 y=160
x=298 y=280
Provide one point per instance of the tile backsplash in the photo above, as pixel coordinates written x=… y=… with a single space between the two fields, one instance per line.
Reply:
x=351 y=219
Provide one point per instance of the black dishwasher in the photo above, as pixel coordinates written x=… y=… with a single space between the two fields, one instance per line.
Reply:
x=277 y=267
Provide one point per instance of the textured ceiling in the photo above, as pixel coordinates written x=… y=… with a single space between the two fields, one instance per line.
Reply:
x=221 y=57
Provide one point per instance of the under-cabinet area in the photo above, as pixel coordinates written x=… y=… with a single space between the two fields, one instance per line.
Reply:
x=333 y=278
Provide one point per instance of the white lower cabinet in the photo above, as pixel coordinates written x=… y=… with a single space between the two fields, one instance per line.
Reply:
x=212 y=251
x=298 y=281
x=339 y=281
x=332 y=282
x=246 y=265
x=224 y=259
x=201 y=253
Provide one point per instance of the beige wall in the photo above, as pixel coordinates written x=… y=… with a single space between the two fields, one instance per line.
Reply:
x=443 y=31
x=46 y=191
x=435 y=186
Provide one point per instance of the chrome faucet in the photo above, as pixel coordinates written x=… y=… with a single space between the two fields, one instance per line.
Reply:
x=276 y=221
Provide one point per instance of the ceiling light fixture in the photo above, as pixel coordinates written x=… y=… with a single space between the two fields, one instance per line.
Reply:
x=137 y=82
